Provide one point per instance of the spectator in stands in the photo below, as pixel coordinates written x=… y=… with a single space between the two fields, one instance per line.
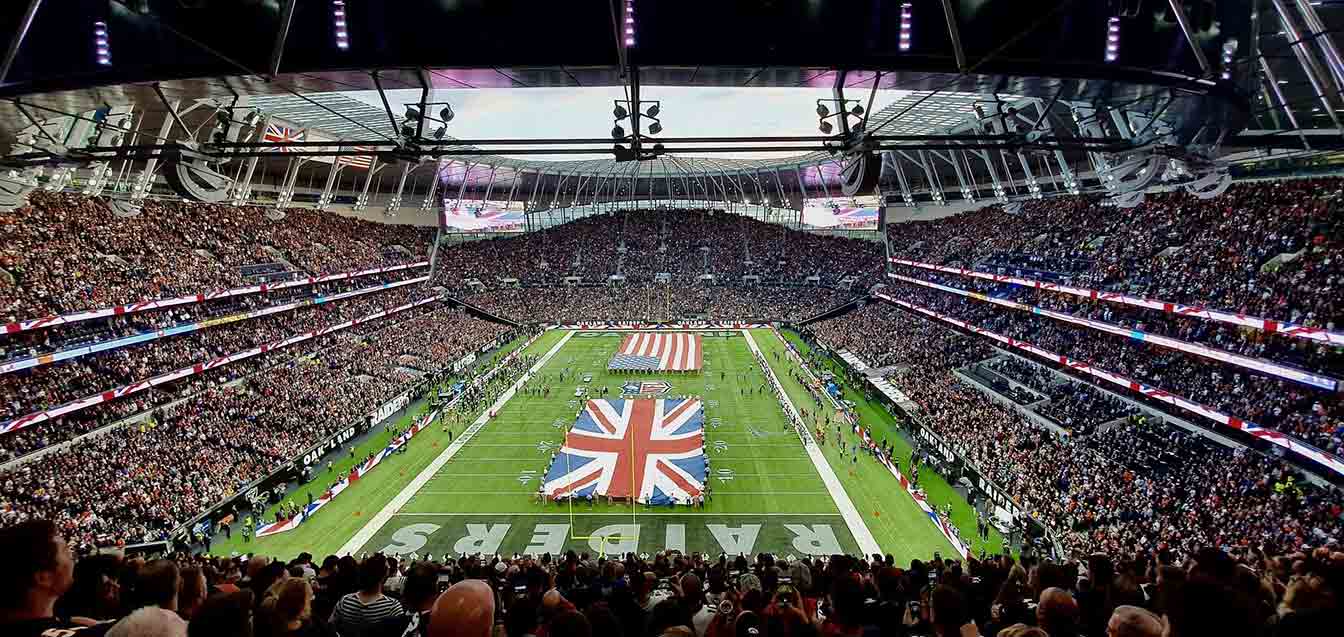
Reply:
x=359 y=613
x=466 y=609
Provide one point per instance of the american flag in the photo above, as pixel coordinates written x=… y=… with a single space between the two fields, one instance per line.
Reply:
x=283 y=135
x=651 y=351
x=357 y=161
x=651 y=449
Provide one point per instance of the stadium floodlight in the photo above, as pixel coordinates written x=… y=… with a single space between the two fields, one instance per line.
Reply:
x=1229 y=52
x=617 y=132
x=655 y=128
x=102 y=49
x=446 y=114
x=653 y=111
x=826 y=128
x=857 y=110
x=338 y=25
x=822 y=111
x=411 y=113
x=1113 y=39
x=619 y=112
x=440 y=132
x=907 y=11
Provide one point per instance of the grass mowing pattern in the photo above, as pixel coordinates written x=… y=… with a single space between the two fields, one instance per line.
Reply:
x=936 y=489
x=766 y=495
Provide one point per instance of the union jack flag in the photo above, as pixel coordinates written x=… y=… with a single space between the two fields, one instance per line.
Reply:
x=650 y=449
x=283 y=135
x=645 y=351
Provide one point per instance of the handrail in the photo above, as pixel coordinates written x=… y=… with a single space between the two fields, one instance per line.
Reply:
x=1272 y=436
x=1260 y=365
x=156 y=304
x=1272 y=326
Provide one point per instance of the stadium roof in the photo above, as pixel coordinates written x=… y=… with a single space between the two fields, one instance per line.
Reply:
x=767 y=111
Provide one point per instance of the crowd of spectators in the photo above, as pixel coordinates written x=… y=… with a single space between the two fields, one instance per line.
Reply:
x=139 y=481
x=1300 y=410
x=1241 y=591
x=883 y=336
x=660 y=302
x=47 y=386
x=69 y=252
x=1220 y=253
x=1086 y=488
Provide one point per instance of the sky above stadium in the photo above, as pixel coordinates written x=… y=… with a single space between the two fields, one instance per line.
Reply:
x=566 y=112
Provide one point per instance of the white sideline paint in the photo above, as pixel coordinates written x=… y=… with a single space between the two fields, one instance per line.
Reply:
x=867 y=543
x=384 y=516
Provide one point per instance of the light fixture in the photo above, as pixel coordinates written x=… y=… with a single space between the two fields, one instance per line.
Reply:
x=440 y=132
x=826 y=128
x=1113 y=39
x=822 y=111
x=1229 y=51
x=619 y=112
x=906 y=19
x=655 y=128
x=857 y=110
x=446 y=114
x=411 y=113
x=617 y=132
x=102 y=49
x=338 y=25
x=653 y=111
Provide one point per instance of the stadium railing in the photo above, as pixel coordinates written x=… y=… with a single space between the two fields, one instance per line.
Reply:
x=1330 y=461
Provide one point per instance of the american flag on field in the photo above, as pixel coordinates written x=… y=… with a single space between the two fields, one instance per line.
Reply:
x=652 y=351
x=280 y=134
x=357 y=161
x=650 y=449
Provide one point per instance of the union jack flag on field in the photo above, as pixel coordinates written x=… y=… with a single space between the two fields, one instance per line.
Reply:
x=279 y=134
x=650 y=449
x=650 y=351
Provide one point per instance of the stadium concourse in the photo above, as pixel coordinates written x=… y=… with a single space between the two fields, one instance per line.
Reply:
x=262 y=398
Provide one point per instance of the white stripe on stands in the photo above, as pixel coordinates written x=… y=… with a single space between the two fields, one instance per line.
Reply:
x=375 y=524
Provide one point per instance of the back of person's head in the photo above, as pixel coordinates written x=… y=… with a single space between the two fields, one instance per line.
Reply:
x=93 y=594
x=150 y=621
x=293 y=601
x=420 y=587
x=35 y=571
x=846 y=601
x=1057 y=612
x=372 y=573
x=947 y=611
x=571 y=624
x=158 y=584
x=603 y=621
x=521 y=619
x=467 y=609
x=1132 y=621
x=1021 y=630
x=665 y=614
x=192 y=590
x=223 y=615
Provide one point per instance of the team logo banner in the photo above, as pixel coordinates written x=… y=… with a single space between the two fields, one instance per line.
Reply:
x=646 y=387
x=648 y=449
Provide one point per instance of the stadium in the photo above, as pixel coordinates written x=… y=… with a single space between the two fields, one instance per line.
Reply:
x=652 y=318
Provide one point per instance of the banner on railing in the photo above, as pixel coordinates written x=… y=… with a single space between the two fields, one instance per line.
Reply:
x=1195 y=311
x=141 y=306
x=1334 y=463
x=187 y=328
x=1224 y=356
x=141 y=385
x=358 y=471
x=388 y=408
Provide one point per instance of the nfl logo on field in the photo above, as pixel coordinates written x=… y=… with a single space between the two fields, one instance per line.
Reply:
x=646 y=387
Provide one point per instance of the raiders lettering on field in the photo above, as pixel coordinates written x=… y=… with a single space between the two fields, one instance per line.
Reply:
x=807 y=539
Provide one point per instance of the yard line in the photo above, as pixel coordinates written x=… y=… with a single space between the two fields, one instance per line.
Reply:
x=853 y=519
x=376 y=523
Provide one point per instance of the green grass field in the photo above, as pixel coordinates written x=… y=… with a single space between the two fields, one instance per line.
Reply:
x=766 y=494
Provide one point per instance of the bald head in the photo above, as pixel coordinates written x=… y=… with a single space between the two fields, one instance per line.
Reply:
x=1057 y=612
x=465 y=610
x=1132 y=621
x=690 y=586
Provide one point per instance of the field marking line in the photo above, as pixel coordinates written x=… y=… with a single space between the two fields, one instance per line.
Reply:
x=376 y=523
x=680 y=514
x=862 y=536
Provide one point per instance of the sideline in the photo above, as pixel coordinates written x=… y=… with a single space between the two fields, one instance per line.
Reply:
x=867 y=543
x=376 y=523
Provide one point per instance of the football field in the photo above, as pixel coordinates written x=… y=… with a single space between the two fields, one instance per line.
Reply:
x=479 y=493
